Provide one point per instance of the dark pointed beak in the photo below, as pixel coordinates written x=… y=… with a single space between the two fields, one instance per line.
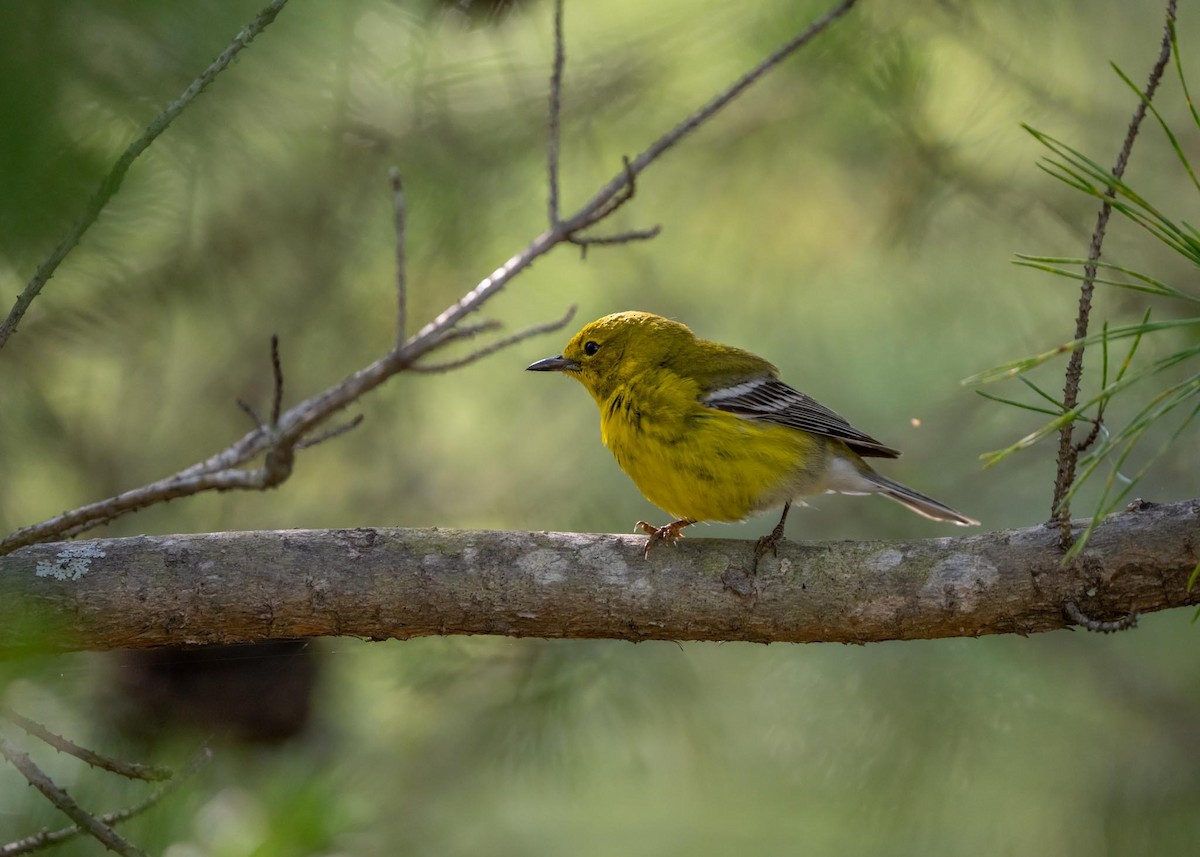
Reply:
x=553 y=364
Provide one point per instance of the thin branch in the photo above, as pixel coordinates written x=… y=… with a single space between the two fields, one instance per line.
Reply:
x=112 y=182
x=552 y=142
x=498 y=345
x=1097 y=425
x=401 y=218
x=46 y=838
x=1068 y=453
x=131 y=770
x=88 y=823
x=182 y=484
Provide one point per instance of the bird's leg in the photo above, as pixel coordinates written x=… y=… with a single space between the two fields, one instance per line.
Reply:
x=669 y=534
x=770 y=542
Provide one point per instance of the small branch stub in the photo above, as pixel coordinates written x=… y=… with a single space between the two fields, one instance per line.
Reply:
x=1098 y=626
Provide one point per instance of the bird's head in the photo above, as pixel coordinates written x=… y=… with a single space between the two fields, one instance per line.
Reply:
x=613 y=349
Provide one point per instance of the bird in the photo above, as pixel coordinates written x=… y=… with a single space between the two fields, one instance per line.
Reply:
x=708 y=432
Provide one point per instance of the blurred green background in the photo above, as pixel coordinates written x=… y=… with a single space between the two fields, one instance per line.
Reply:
x=852 y=219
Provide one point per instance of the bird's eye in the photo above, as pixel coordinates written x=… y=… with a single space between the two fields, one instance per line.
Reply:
x=590 y=348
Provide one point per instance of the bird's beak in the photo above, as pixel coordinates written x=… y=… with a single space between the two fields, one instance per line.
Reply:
x=553 y=364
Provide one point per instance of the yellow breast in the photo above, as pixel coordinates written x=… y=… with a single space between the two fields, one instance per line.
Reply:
x=699 y=463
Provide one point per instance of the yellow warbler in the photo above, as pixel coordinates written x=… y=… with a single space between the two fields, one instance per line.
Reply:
x=708 y=432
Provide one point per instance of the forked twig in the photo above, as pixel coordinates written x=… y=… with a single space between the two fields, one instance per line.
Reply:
x=46 y=838
x=609 y=207
x=87 y=822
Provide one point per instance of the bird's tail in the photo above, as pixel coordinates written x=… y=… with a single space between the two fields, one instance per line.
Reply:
x=925 y=506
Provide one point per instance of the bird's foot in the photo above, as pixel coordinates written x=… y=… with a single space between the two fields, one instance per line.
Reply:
x=767 y=543
x=669 y=533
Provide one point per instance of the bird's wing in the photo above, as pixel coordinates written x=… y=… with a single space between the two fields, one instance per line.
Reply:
x=767 y=398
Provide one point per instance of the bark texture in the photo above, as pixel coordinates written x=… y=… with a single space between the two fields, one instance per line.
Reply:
x=395 y=583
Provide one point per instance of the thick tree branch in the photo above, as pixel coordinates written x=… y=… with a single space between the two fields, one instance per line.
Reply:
x=392 y=583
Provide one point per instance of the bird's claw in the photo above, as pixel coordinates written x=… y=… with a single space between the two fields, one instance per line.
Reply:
x=670 y=533
x=770 y=542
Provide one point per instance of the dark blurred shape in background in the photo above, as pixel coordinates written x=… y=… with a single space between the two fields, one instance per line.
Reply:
x=257 y=693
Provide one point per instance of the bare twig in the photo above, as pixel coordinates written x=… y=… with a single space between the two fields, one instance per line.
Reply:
x=277 y=378
x=336 y=431
x=466 y=331
x=132 y=770
x=112 y=182
x=401 y=218
x=1068 y=453
x=225 y=471
x=1077 y=616
x=498 y=345
x=46 y=838
x=87 y=822
x=249 y=411
x=555 y=111
x=583 y=241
